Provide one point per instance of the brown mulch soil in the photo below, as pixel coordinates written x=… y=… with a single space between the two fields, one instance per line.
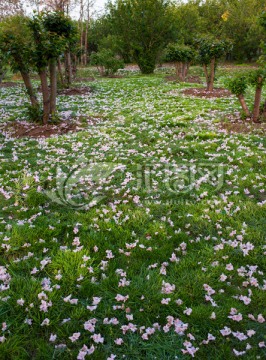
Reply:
x=8 y=84
x=91 y=78
x=75 y=91
x=24 y=129
x=115 y=76
x=238 y=126
x=20 y=129
x=190 y=79
x=203 y=93
x=85 y=90
x=171 y=78
x=194 y=79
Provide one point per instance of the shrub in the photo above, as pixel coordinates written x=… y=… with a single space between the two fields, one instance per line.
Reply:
x=106 y=62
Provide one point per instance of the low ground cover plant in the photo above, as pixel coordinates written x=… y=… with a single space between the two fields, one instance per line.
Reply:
x=141 y=236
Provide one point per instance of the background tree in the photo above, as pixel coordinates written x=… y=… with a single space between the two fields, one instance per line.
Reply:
x=10 y=7
x=240 y=23
x=145 y=26
x=234 y=19
x=187 y=21
x=210 y=17
x=101 y=36
x=86 y=11
x=64 y=6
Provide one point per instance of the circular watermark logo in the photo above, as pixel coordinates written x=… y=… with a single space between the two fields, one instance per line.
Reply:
x=81 y=186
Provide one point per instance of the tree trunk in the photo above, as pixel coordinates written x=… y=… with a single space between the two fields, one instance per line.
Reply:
x=176 y=69
x=60 y=71
x=264 y=111
x=185 y=70
x=53 y=86
x=29 y=88
x=68 y=67
x=212 y=76
x=256 y=110
x=86 y=44
x=205 y=68
x=243 y=105
x=74 y=70
x=81 y=45
x=2 y=75
x=46 y=96
x=181 y=72
x=81 y=30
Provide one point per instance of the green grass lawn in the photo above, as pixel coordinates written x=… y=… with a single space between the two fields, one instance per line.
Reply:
x=141 y=236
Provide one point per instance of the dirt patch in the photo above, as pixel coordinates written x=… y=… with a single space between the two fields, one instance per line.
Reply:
x=203 y=93
x=115 y=76
x=171 y=78
x=75 y=91
x=190 y=79
x=21 y=129
x=194 y=79
x=237 y=126
x=85 y=79
x=8 y=84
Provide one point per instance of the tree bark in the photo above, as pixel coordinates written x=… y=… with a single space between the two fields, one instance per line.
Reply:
x=85 y=62
x=177 y=70
x=29 y=88
x=212 y=75
x=46 y=96
x=68 y=67
x=185 y=70
x=181 y=72
x=2 y=75
x=205 y=68
x=81 y=30
x=243 y=105
x=60 y=71
x=53 y=86
x=264 y=111
x=256 y=110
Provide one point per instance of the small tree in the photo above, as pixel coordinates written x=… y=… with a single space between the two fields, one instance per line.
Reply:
x=106 y=62
x=210 y=50
x=16 y=40
x=181 y=56
x=36 y=44
x=238 y=86
x=51 y=33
